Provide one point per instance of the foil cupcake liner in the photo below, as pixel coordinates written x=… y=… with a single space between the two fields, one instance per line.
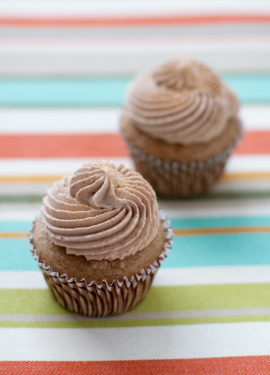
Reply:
x=102 y=299
x=180 y=179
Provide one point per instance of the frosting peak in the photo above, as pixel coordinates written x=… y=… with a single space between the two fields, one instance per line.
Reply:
x=98 y=186
x=182 y=101
x=102 y=211
x=184 y=74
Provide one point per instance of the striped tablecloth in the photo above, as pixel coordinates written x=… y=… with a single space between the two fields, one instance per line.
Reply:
x=64 y=67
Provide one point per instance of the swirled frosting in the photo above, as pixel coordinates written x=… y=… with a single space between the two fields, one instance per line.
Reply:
x=182 y=101
x=102 y=211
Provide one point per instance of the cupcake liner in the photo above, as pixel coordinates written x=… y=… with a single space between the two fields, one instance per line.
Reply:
x=102 y=299
x=180 y=179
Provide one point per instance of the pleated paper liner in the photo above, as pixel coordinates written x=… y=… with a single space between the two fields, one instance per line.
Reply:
x=102 y=299
x=180 y=179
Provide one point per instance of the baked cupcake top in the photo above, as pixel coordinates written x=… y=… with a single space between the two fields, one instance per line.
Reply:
x=102 y=211
x=182 y=101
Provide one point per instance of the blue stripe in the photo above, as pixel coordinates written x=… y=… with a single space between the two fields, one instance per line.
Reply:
x=107 y=91
x=15 y=225
x=188 y=251
x=250 y=88
x=220 y=222
x=16 y=256
x=220 y=250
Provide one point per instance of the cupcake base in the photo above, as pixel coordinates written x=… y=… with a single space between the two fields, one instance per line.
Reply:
x=106 y=298
x=176 y=179
x=180 y=179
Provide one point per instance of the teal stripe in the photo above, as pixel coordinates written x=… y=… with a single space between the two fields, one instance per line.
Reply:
x=177 y=223
x=15 y=256
x=107 y=91
x=220 y=250
x=83 y=92
x=250 y=88
x=15 y=225
x=188 y=251
x=220 y=222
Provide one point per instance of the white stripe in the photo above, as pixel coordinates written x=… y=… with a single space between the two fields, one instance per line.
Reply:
x=212 y=275
x=245 y=185
x=255 y=117
x=216 y=208
x=173 y=209
x=22 y=279
x=163 y=342
x=114 y=8
x=179 y=314
x=22 y=211
x=248 y=163
x=164 y=277
x=128 y=57
x=37 y=121
x=60 y=166
x=233 y=186
x=19 y=189
x=96 y=120
x=48 y=167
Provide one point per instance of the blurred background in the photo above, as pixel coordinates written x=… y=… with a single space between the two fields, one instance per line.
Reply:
x=65 y=66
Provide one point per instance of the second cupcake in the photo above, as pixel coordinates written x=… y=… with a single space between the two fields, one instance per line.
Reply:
x=181 y=124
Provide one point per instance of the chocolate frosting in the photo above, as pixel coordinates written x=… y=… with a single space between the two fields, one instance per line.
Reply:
x=102 y=211
x=182 y=101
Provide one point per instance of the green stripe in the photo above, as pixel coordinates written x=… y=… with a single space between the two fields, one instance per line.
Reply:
x=37 y=198
x=106 y=91
x=159 y=298
x=102 y=323
x=21 y=198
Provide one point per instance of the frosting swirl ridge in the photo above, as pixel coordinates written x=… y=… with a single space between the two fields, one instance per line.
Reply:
x=102 y=211
x=182 y=101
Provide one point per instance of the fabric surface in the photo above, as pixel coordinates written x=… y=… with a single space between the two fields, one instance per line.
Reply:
x=64 y=68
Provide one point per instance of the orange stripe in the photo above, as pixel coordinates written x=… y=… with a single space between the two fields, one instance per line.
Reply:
x=199 y=366
x=61 y=145
x=254 y=142
x=98 y=145
x=13 y=235
x=191 y=232
x=51 y=178
x=177 y=232
x=136 y=21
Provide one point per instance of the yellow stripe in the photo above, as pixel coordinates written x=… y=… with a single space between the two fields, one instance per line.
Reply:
x=13 y=235
x=51 y=178
x=177 y=232
x=191 y=232
x=29 y=179
x=246 y=176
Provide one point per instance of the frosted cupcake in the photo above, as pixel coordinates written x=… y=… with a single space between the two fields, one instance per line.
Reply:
x=100 y=239
x=181 y=124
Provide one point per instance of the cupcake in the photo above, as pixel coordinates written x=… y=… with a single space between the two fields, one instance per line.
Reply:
x=180 y=123
x=100 y=239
